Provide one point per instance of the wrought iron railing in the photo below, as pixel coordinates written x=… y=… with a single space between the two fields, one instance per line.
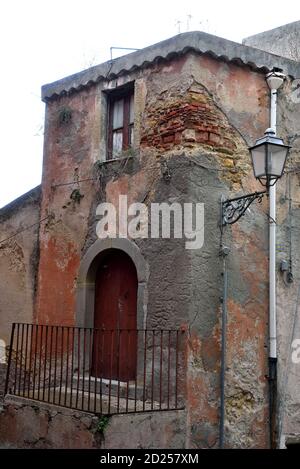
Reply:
x=99 y=371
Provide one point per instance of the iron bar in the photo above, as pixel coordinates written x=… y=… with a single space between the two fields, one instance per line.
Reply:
x=21 y=358
x=90 y=371
x=61 y=364
x=72 y=365
x=30 y=360
x=40 y=361
x=45 y=362
x=25 y=360
x=176 y=372
x=55 y=363
x=35 y=353
x=152 y=377
x=127 y=361
x=169 y=364
x=111 y=368
x=95 y=365
x=50 y=363
x=67 y=367
x=78 y=367
x=101 y=350
x=16 y=363
x=83 y=367
x=136 y=333
x=160 y=369
x=9 y=357
x=145 y=369
x=118 y=369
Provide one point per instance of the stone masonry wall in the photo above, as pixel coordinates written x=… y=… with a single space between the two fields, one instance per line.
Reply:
x=24 y=424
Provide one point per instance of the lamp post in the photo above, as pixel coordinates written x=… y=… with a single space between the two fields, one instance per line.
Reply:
x=268 y=157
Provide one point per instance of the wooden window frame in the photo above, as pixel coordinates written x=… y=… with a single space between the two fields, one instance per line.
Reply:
x=125 y=93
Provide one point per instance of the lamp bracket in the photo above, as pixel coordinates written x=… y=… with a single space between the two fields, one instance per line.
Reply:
x=233 y=209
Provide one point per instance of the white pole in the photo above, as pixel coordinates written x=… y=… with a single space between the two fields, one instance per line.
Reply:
x=272 y=245
x=274 y=80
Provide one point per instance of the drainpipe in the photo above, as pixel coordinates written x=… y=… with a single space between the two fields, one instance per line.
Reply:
x=224 y=251
x=275 y=80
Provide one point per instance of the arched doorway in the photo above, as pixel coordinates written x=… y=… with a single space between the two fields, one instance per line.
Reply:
x=115 y=317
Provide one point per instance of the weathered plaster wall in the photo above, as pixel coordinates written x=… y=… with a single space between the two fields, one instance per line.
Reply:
x=195 y=117
x=69 y=154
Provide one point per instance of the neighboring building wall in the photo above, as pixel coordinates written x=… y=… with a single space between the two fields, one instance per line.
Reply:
x=18 y=263
x=283 y=41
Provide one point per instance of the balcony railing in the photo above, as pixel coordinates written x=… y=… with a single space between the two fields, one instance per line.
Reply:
x=99 y=371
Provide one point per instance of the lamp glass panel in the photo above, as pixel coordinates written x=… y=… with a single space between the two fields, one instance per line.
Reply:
x=258 y=161
x=276 y=159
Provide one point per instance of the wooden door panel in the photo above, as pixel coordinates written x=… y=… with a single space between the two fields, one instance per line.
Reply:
x=115 y=346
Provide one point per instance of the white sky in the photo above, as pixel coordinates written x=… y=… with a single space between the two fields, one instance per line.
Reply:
x=44 y=40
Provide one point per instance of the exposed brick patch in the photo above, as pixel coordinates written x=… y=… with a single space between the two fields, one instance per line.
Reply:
x=182 y=119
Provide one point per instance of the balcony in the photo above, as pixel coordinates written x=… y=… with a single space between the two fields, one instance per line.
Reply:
x=104 y=372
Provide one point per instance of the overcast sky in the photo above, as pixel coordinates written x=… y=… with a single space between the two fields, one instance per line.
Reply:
x=42 y=41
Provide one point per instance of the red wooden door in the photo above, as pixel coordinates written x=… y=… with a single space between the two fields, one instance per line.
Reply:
x=115 y=341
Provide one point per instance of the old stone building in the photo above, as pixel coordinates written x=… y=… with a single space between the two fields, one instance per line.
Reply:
x=171 y=124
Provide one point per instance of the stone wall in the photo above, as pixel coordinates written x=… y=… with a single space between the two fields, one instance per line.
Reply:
x=26 y=424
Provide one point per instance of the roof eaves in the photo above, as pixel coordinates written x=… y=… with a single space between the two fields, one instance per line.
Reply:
x=32 y=196
x=196 y=41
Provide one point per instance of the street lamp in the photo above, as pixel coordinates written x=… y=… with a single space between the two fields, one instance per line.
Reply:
x=268 y=157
